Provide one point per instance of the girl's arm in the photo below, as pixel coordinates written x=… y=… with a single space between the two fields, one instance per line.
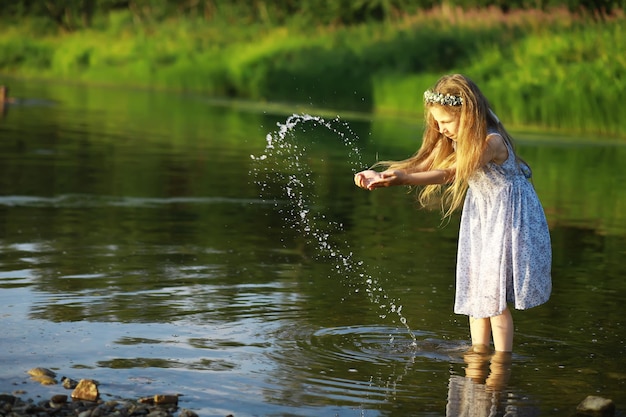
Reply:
x=370 y=179
x=419 y=174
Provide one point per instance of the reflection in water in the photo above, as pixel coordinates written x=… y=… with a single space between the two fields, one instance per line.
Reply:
x=483 y=389
x=7 y=101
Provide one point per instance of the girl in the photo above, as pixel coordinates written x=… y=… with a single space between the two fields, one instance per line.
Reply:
x=467 y=159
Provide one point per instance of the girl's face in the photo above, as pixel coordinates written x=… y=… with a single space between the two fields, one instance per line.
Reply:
x=447 y=122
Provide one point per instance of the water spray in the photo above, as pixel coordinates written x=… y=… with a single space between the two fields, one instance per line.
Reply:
x=284 y=151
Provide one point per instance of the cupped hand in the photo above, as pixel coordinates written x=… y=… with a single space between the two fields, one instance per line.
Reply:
x=364 y=178
x=389 y=178
x=370 y=179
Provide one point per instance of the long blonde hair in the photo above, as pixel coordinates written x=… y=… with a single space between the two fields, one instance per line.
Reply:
x=439 y=152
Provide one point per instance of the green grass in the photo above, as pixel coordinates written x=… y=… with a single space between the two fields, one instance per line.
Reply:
x=551 y=70
x=567 y=77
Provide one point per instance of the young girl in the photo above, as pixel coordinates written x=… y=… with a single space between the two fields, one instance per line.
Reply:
x=467 y=159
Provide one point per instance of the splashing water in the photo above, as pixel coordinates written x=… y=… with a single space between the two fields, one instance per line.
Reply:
x=284 y=159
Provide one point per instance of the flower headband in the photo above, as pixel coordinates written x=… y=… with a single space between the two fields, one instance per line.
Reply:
x=432 y=97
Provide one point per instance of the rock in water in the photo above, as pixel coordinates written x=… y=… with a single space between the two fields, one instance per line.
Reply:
x=165 y=399
x=43 y=376
x=596 y=406
x=187 y=413
x=68 y=383
x=41 y=372
x=86 y=390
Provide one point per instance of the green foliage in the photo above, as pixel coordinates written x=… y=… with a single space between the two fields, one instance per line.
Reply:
x=20 y=53
x=553 y=70
x=72 y=15
x=569 y=80
x=562 y=77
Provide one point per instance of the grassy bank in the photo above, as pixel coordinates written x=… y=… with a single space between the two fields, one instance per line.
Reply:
x=568 y=78
x=552 y=70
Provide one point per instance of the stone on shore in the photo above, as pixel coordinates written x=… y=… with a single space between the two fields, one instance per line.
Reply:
x=160 y=399
x=165 y=399
x=58 y=401
x=188 y=413
x=55 y=407
x=86 y=390
x=6 y=398
x=596 y=406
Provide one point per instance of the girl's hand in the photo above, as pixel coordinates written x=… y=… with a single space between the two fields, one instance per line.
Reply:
x=389 y=178
x=364 y=178
x=370 y=179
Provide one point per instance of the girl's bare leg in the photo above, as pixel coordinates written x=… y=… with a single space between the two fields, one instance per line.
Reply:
x=480 y=330
x=502 y=328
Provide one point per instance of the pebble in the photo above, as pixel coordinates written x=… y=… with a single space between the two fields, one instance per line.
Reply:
x=16 y=407
x=87 y=389
x=43 y=375
x=159 y=405
x=596 y=406
x=69 y=383
x=42 y=372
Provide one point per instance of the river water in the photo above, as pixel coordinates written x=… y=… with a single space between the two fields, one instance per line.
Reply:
x=147 y=242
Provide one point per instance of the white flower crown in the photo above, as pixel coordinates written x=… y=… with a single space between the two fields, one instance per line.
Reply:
x=432 y=97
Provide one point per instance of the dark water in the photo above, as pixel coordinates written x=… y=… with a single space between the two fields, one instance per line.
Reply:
x=136 y=250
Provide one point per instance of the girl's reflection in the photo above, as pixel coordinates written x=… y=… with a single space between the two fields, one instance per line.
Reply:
x=481 y=392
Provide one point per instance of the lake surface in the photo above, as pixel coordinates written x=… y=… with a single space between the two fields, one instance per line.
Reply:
x=150 y=241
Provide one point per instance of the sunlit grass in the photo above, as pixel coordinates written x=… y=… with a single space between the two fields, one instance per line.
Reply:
x=549 y=69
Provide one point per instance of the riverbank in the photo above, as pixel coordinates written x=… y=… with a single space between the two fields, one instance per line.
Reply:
x=85 y=400
x=58 y=406
x=551 y=69
x=16 y=405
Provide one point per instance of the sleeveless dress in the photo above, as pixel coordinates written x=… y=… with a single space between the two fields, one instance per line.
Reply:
x=504 y=251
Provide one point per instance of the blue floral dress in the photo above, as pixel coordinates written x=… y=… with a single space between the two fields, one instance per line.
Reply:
x=504 y=253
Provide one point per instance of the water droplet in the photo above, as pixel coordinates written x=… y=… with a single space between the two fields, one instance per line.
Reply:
x=285 y=158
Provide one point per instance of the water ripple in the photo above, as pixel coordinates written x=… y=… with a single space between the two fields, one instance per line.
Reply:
x=364 y=365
